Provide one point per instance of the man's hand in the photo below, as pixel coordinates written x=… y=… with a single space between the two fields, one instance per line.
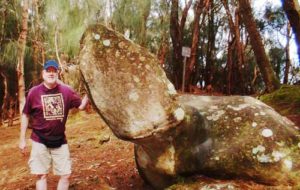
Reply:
x=84 y=102
x=23 y=147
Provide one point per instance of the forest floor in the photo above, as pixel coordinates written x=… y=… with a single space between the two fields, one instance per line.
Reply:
x=100 y=160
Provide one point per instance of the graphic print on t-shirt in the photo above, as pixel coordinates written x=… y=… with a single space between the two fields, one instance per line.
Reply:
x=53 y=106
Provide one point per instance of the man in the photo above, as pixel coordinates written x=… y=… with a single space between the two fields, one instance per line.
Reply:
x=48 y=105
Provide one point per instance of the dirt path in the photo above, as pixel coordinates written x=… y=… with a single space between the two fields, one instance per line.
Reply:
x=100 y=160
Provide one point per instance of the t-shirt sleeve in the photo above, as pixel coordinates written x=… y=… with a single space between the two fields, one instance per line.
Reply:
x=75 y=99
x=27 y=106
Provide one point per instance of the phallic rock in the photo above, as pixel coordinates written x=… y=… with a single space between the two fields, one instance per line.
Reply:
x=130 y=91
x=179 y=135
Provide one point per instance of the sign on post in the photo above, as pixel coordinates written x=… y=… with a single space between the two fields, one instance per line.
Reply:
x=185 y=52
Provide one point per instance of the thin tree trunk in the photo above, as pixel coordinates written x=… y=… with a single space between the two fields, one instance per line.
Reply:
x=38 y=48
x=177 y=43
x=271 y=82
x=107 y=8
x=209 y=69
x=184 y=15
x=255 y=72
x=146 y=13
x=57 y=51
x=164 y=47
x=5 y=98
x=199 y=9
x=234 y=28
x=287 y=54
x=240 y=52
x=231 y=44
x=292 y=10
x=21 y=53
x=163 y=51
x=11 y=112
x=176 y=31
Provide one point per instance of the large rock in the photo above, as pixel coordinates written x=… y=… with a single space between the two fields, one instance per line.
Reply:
x=129 y=89
x=175 y=136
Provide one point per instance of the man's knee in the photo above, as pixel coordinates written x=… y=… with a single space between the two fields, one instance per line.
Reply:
x=65 y=177
x=41 y=176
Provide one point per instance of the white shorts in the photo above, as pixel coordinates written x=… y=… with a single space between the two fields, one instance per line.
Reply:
x=42 y=157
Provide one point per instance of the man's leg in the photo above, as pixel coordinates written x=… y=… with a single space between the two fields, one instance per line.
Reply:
x=64 y=182
x=62 y=166
x=41 y=183
x=39 y=163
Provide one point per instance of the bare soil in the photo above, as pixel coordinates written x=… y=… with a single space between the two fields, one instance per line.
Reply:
x=100 y=160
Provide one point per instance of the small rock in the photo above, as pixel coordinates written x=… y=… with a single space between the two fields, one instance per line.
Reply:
x=104 y=138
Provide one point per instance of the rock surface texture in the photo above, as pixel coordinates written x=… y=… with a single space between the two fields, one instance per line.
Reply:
x=235 y=137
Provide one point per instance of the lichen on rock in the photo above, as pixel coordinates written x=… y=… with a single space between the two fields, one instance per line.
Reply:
x=178 y=135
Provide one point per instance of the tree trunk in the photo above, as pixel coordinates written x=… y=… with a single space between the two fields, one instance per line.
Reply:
x=57 y=50
x=229 y=66
x=163 y=51
x=21 y=52
x=209 y=69
x=271 y=82
x=164 y=47
x=177 y=43
x=235 y=31
x=176 y=31
x=38 y=48
x=11 y=112
x=292 y=10
x=240 y=53
x=199 y=8
x=146 y=13
x=287 y=54
x=3 y=109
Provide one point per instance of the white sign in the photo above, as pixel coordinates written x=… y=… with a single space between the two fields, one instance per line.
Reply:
x=186 y=51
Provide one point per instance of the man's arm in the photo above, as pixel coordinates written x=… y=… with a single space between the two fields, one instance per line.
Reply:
x=24 y=126
x=84 y=102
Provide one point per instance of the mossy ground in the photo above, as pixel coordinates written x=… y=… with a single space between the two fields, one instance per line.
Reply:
x=285 y=100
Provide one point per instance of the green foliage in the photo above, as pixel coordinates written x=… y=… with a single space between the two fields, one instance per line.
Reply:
x=69 y=18
x=10 y=12
x=71 y=40
x=158 y=25
x=277 y=59
x=148 y=23
x=275 y=17
x=286 y=100
x=132 y=15
x=9 y=54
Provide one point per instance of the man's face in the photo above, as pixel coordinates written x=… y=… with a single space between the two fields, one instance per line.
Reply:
x=50 y=75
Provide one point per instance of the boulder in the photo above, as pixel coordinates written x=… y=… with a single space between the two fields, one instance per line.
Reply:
x=129 y=90
x=175 y=136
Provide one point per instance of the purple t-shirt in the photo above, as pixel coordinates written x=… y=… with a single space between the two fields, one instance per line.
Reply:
x=49 y=109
